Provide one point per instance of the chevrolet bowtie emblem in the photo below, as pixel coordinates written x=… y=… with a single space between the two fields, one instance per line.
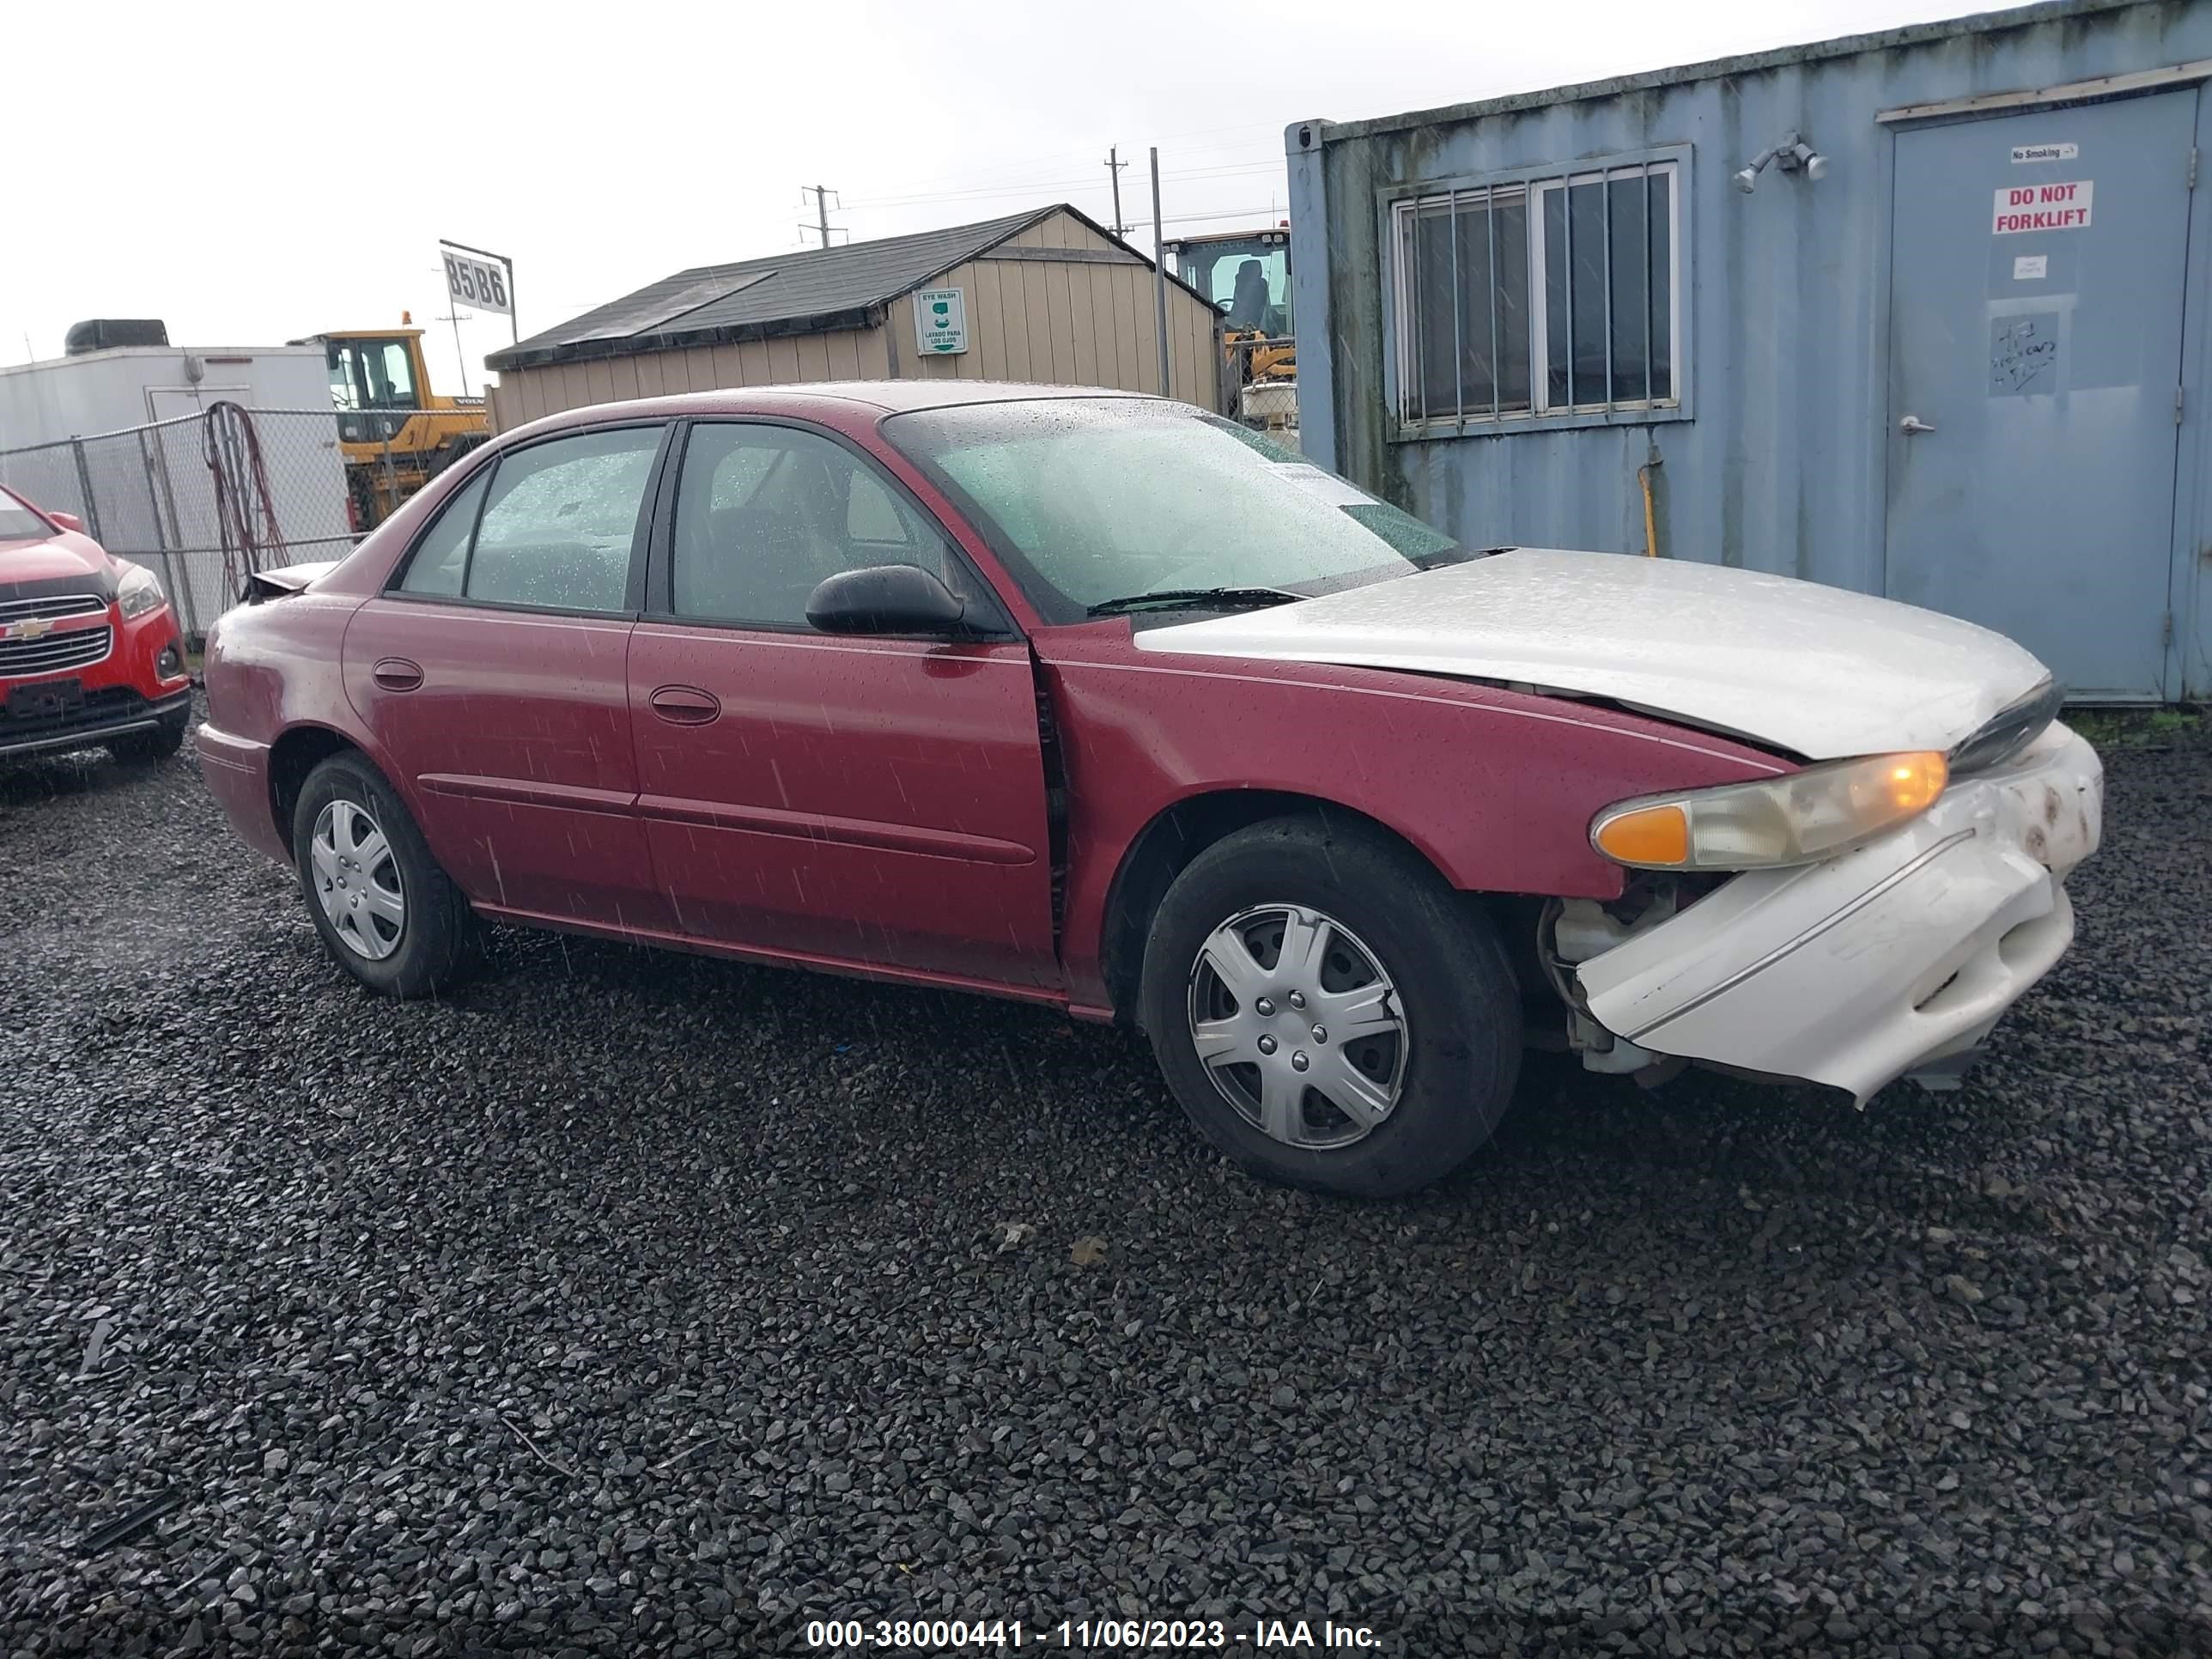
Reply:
x=34 y=628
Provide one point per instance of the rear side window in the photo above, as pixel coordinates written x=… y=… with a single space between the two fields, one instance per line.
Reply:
x=555 y=532
x=441 y=558
x=558 y=525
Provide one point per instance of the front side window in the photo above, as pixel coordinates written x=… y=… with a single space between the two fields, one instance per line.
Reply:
x=554 y=530
x=1093 y=502
x=1550 y=295
x=765 y=513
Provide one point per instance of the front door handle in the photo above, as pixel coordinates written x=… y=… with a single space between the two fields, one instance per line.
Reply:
x=1912 y=424
x=397 y=674
x=684 y=705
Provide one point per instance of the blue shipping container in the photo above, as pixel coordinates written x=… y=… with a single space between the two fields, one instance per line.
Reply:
x=1944 y=348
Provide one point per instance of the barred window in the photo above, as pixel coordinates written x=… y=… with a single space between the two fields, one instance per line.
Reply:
x=1550 y=295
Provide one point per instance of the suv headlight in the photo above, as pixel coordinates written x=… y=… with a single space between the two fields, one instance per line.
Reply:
x=1797 y=819
x=139 y=592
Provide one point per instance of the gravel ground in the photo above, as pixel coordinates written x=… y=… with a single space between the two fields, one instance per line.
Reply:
x=632 y=1304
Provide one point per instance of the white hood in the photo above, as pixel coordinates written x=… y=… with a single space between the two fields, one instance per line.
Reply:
x=1792 y=664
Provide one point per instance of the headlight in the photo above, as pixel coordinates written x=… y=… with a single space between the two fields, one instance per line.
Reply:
x=139 y=592
x=1792 y=820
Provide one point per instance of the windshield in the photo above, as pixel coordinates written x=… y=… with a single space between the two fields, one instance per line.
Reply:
x=1090 y=501
x=18 y=523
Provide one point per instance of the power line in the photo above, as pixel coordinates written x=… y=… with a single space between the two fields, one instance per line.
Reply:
x=1059 y=162
x=1003 y=192
x=1011 y=187
x=1218 y=213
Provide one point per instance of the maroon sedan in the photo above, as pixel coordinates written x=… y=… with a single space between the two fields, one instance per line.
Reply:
x=1102 y=702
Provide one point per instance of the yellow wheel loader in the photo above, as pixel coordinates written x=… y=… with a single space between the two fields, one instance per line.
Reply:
x=395 y=434
x=1246 y=275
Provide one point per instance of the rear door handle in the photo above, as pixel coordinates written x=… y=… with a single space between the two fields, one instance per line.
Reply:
x=684 y=705
x=397 y=674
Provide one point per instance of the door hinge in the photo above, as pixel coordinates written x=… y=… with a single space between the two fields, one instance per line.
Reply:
x=2177 y=405
x=2166 y=637
x=2192 y=166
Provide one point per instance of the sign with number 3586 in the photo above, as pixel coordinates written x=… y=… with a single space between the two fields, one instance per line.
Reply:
x=475 y=284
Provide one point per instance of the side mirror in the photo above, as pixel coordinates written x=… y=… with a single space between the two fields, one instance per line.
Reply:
x=68 y=521
x=887 y=598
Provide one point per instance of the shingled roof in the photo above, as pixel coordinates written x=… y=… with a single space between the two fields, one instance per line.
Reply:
x=799 y=292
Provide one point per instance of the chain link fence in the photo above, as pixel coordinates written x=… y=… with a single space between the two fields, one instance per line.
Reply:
x=1261 y=388
x=149 y=494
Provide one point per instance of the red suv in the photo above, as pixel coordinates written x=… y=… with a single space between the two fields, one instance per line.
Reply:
x=88 y=647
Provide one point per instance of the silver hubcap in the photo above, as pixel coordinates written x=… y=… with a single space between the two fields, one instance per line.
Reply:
x=1298 y=1025
x=356 y=880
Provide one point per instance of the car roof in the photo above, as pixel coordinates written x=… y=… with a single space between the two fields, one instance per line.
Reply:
x=820 y=398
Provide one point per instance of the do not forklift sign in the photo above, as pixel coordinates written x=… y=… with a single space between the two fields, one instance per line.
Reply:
x=2043 y=207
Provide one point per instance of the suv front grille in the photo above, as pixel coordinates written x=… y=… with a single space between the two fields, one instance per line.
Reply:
x=52 y=653
x=51 y=606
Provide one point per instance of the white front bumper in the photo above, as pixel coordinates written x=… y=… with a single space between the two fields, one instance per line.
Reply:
x=1855 y=971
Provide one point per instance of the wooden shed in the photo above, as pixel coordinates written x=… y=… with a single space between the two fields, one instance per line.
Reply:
x=1048 y=296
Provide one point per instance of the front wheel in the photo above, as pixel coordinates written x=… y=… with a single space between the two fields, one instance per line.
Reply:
x=386 y=912
x=1328 y=1011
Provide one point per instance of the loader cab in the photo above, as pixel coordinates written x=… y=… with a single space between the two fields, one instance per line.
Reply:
x=1246 y=275
x=370 y=374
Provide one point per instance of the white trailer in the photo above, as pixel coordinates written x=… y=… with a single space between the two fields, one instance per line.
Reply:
x=118 y=437
x=134 y=386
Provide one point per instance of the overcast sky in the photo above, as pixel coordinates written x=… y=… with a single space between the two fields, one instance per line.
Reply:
x=251 y=174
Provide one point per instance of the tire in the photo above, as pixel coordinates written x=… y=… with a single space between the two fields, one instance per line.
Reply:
x=1384 y=937
x=146 y=748
x=355 y=843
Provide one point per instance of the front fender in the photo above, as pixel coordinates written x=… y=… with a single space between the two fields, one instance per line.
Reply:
x=1495 y=789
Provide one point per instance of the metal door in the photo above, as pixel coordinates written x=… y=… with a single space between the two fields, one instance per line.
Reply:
x=848 y=800
x=2035 y=280
x=842 y=799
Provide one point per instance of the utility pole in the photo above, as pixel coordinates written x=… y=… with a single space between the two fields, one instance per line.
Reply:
x=1114 y=165
x=821 y=193
x=1160 y=269
x=454 y=318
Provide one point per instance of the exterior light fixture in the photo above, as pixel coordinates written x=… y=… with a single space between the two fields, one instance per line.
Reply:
x=1792 y=155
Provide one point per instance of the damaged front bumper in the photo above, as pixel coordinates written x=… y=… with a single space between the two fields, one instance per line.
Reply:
x=1898 y=957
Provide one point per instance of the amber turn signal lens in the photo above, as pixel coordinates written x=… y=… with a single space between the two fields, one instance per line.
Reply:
x=1648 y=835
x=1914 y=780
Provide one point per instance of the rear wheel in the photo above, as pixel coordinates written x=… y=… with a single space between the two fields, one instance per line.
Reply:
x=158 y=743
x=386 y=912
x=1328 y=1011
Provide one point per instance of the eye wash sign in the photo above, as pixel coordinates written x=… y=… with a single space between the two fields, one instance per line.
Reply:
x=2043 y=207
x=940 y=320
